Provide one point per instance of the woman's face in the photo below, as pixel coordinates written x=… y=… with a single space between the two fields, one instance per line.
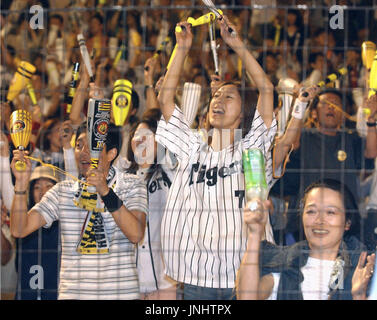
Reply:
x=328 y=116
x=324 y=221
x=54 y=137
x=41 y=186
x=144 y=146
x=225 y=111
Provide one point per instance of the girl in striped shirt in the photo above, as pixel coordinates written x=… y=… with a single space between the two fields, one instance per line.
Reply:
x=203 y=235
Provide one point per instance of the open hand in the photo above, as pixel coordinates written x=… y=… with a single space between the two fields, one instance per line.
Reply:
x=232 y=41
x=311 y=91
x=149 y=68
x=362 y=275
x=371 y=104
x=184 y=38
x=66 y=132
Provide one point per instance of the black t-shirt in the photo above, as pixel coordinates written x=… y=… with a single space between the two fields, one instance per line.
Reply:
x=339 y=157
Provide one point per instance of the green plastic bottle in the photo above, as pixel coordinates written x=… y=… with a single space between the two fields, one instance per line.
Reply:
x=255 y=175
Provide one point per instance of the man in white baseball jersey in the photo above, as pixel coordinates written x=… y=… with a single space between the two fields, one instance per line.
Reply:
x=112 y=275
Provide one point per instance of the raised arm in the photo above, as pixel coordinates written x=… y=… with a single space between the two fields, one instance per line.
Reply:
x=80 y=97
x=265 y=104
x=249 y=285
x=293 y=131
x=22 y=222
x=172 y=77
x=150 y=93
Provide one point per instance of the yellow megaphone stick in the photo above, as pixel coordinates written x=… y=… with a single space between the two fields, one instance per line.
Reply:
x=121 y=100
x=21 y=78
x=368 y=50
x=373 y=77
x=31 y=92
x=207 y=18
x=161 y=47
x=332 y=77
x=119 y=54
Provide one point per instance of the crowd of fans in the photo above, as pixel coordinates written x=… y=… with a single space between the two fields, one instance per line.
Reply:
x=289 y=39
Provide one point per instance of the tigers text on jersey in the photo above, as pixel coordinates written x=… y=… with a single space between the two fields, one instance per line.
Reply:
x=203 y=235
x=150 y=264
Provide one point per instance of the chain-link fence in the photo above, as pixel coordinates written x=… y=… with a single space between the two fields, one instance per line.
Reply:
x=130 y=44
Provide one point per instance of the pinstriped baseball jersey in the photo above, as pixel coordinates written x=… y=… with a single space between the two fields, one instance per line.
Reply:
x=203 y=235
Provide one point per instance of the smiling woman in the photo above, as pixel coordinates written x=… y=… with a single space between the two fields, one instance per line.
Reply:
x=319 y=268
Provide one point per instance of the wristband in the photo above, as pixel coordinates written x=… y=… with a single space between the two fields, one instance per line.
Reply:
x=298 y=110
x=20 y=192
x=112 y=201
x=373 y=124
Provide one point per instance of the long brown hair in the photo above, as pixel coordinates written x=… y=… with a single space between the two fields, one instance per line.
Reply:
x=249 y=98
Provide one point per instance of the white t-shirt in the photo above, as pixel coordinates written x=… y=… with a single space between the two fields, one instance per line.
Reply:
x=203 y=233
x=316 y=274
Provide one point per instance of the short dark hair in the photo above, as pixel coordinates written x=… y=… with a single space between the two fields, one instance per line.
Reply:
x=58 y=17
x=249 y=98
x=351 y=209
x=97 y=16
x=314 y=55
x=113 y=139
x=337 y=92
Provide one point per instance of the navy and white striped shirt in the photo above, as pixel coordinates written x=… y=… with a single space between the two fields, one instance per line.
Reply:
x=104 y=276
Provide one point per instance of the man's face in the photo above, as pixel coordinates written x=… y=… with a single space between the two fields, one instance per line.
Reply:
x=82 y=154
x=328 y=116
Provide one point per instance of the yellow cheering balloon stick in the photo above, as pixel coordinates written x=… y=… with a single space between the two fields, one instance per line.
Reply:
x=368 y=51
x=373 y=77
x=330 y=79
x=207 y=18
